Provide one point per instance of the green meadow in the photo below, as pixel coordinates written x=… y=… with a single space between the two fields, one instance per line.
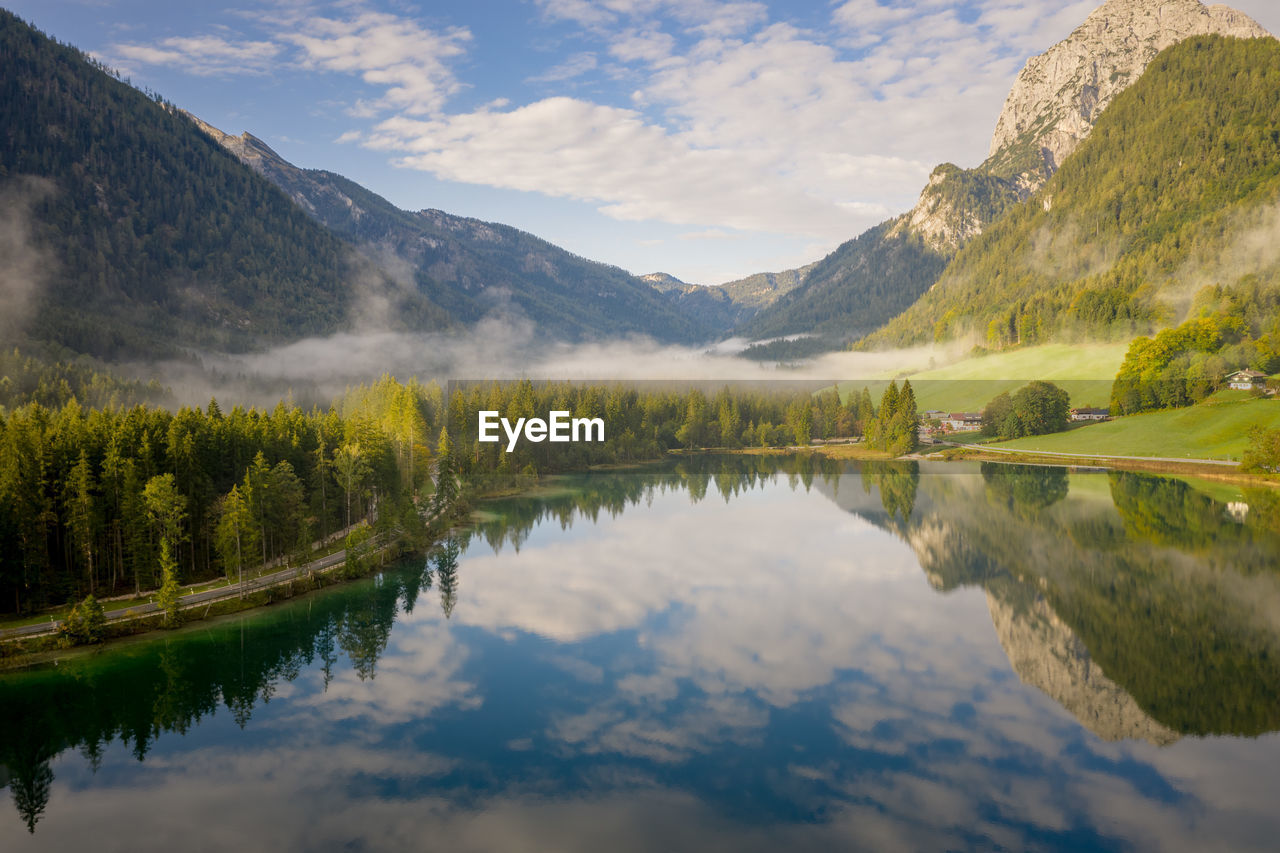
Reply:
x=1085 y=371
x=1218 y=428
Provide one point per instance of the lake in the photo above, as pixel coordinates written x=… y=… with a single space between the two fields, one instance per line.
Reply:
x=718 y=653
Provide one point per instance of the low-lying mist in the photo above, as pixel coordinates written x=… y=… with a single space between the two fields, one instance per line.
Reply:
x=316 y=370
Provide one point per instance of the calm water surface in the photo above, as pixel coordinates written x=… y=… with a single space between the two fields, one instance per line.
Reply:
x=724 y=653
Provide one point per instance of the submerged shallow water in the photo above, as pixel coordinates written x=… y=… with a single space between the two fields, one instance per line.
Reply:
x=722 y=653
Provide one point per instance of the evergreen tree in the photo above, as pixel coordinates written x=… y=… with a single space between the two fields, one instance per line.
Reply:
x=168 y=596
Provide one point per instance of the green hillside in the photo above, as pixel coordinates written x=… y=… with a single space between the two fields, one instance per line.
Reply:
x=144 y=233
x=1084 y=371
x=1178 y=170
x=1215 y=429
x=853 y=290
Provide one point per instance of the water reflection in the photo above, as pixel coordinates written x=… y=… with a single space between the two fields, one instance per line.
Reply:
x=748 y=652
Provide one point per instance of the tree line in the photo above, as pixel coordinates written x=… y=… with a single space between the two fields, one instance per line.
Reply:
x=1229 y=329
x=643 y=424
x=122 y=500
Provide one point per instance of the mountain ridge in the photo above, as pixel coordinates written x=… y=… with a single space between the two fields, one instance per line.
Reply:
x=1044 y=110
x=1180 y=177
x=472 y=268
x=142 y=237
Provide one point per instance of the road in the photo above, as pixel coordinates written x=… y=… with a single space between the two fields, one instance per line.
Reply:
x=1184 y=459
x=195 y=599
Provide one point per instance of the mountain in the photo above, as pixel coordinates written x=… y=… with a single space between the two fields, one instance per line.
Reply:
x=855 y=289
x=1050 y=110
x=471 y=268
x=722 y=308
x=1176 y=188
x=1059 y=95
x=127 y=233
x=666 y=283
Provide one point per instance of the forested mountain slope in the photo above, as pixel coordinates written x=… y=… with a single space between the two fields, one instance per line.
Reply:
x=129 y=232
x=1176 y=188
x=473 y=268
x=856 y=288
x=1051 y=108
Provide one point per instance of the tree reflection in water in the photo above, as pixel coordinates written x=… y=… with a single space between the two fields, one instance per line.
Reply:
x=1142 y=579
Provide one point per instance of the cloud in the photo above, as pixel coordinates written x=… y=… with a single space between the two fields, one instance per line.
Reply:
x=707 y=17
x=710 y=234
x=635 y=170
x=735 y=117
x=204 y=55
x=650 y=46
x=410 y=61
x=574 y=66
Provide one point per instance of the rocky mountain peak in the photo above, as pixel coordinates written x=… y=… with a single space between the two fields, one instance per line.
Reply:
x=954 y=207
x=249 y=149
x=1060 y=93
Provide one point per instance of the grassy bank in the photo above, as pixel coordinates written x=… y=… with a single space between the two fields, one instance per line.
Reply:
x=1215 y=429
x=1084 y=371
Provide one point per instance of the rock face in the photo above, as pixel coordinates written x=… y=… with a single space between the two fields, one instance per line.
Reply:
x=312 y=195
x=1046 y=654
x=955 y=206
x=1053 y=106
x=1061 y=92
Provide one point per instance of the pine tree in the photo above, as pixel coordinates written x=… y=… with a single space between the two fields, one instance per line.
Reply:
x=235 y=533
x=446 y=479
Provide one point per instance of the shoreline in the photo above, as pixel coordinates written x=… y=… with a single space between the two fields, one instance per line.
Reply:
x=19 y=651
x=1204 y=469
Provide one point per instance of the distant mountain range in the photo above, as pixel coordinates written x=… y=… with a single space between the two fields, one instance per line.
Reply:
x=135 y=230
x=131 y=233
x=475 y=269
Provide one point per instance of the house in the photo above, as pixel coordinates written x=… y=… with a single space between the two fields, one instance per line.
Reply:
x=963 y=421
x=934 y=415
x=1246 y=380
x=1087 y=414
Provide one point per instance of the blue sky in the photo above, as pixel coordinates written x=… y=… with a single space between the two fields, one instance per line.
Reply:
x=702 y=138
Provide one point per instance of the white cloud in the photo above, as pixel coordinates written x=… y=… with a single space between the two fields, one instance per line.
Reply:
x=634 y=169
x=410 y=61
x=736 y=119
x=648 y=46
x=204 y=55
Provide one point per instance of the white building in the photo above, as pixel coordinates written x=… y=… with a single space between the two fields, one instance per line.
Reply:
x=963 y=421
x=1246 y=380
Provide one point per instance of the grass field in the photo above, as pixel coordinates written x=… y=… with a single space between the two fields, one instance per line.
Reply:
x=1085 y=371
x=1215 y=429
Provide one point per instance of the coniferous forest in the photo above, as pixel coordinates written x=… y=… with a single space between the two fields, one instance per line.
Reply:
x=144 y=231
x=121 y=500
